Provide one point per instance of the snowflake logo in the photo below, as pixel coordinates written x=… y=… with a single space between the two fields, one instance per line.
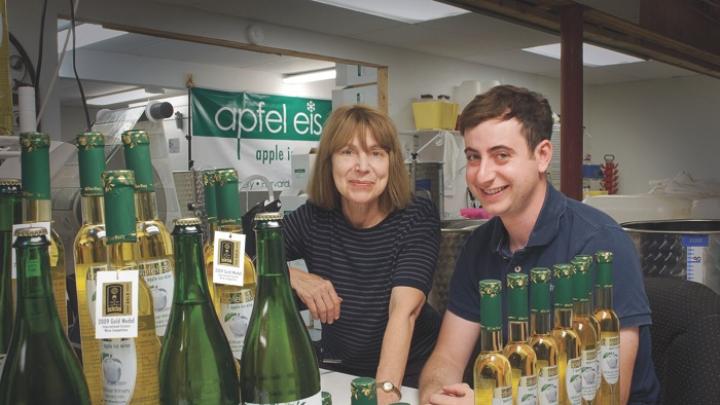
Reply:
x=310 y=106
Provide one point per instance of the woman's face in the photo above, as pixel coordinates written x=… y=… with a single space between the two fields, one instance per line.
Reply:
x=360 y=175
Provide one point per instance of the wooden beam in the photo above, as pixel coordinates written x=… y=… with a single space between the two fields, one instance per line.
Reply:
x=571 y=101
x=382 y=89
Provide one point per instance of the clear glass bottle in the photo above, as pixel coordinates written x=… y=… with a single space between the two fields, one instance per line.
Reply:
x=156 y=251
x=234 y=304
x=90 y=251
x=492 y=372
x=590 y=367
x=37 y=207
x=569 y=353
x=588 y=261
x=523 y=361
x=196 y=363
x=609 y=392
x=209 y=179
x=41 y=367
x=542 y=342
x=130 y=366
x=10 y=212
x=279 y=365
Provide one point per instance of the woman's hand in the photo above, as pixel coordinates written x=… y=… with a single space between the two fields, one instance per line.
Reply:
x=317 y=294
x=456 y=394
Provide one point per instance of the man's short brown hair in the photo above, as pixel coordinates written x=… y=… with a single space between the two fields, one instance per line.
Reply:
x=506 y=102
x=343 y=125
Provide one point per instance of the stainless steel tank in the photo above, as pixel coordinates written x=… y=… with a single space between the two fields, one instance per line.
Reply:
x=687 y=249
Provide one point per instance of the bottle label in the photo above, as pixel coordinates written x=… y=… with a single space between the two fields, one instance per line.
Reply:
x=573 y=380
x=229 y=259
x=160 y=279
x=527 y=390
x=548 y=383
x=235 y=310
x=119 y=370
x=311 y=400
x=116 y=308
x=15 y=227
x=610 y=358
x=502 y=396
x=91 y=288
x=590 y=377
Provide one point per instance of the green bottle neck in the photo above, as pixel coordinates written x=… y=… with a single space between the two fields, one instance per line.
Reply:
x=603 y=297
x=562 y=318
x=35 y=303
x=36 y=210
x=93 y=210
x=270 y=252
x=518 y=331
x=146 y=205
x=539 y=322
x=490 y=340
x=190 y=281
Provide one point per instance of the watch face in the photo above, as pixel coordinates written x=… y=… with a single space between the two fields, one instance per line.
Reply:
x=387 y=386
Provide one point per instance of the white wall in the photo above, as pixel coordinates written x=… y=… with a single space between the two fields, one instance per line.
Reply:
x=655 y=128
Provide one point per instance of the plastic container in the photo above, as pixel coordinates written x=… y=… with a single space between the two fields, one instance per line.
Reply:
x=434 y=114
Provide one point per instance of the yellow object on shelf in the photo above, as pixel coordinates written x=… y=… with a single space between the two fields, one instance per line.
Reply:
x=435 y=114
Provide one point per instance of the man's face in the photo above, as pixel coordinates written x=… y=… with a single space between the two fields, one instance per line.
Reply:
x=502 y=172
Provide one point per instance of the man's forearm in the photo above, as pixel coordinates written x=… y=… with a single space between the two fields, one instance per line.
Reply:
x=437 y=373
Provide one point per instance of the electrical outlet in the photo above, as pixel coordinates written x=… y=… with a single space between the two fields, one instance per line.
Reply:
x=174 y=145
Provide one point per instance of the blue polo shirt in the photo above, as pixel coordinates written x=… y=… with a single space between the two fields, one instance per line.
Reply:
x=565 y=228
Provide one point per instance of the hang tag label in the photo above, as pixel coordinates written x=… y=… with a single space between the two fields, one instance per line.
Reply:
x=15 y=227
x=116 y=307
x=229 y=258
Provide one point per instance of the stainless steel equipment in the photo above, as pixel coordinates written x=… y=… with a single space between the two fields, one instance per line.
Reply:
x=679 y=248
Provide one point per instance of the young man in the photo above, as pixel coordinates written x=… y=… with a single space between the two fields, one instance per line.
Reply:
x=507 y=145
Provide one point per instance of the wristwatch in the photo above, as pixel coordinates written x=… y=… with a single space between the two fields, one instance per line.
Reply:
x=388 y=387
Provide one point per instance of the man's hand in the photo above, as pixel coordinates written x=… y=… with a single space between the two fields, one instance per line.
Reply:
x=317 y=294
x=456 y=394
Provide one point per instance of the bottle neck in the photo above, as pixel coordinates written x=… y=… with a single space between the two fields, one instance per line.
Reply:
x=270 y=252
x=490 y=340
x=518 y=331
x=539 y=322
x=33 y=276
x=93 y=210
x=146 y=205
x=563 y=317
x=190 y=282
x=582 y=308
x=603 y=297
x=36 y=210
x=122 y=255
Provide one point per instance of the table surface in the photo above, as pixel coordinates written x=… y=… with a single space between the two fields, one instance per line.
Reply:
x=338 y=385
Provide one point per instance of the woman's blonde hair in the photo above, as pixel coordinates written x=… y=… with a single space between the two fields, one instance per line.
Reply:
x=343 y=125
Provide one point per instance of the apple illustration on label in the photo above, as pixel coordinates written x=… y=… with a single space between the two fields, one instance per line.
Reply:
x=550 y=392
x=611 y=359
x=160 y=299
x=238 y=324
x=589 y=376
x=577 y=383
x=112 y=369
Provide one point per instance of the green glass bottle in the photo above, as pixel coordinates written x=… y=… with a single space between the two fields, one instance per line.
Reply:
x=196 y=363
x=609 y=391
x=492 y=373
x=279 y=365
x=10 y=190
x=90 y=252
x=363 y=391
x=37 y=207
x=518 y=351
x=41 y=367
x=153 y=238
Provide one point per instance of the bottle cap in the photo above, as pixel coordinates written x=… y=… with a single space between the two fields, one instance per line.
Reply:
x=603 y=271
x=604 y=257
x=10 y=187
x=326 y=398
x=517 y=297
x=490 y=304
x=363 y=391
x=30 y=232
x=119 y=206
x=540 y=289
x=563 y=285
x=137 y=158
x=268 y=216
x=189 y=221
x=91 y=160
x=30 y=141
x=35 y=165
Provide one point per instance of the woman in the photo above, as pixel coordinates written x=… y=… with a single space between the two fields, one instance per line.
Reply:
x=371 y=250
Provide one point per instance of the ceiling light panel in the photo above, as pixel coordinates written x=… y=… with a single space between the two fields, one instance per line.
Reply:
x=308 y=77
x=408 y=11
x=593 y=56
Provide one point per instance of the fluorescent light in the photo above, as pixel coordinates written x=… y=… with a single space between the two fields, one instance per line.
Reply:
x=139 y=104
x=86 y=34
x=593 y=56
x=307 y=77
x=121 y=97
x=408 y=11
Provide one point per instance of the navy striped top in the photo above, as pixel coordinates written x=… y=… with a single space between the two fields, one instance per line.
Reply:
x=363 y=266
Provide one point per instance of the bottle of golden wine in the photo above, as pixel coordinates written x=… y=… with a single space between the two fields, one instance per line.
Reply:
x=90 y=251
x=37 y=208
x=492 y=372
x=209 y=179
x=233 y=303
x=542 y=342
x=129 y=366
x=609 y=392
x=196 y=363
x=590 y=367
x=522 y=357
x=569 y=353
x=279 y=365
x=41 y=367
x=588 y=261
x=156 y=251
x=10 y=212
